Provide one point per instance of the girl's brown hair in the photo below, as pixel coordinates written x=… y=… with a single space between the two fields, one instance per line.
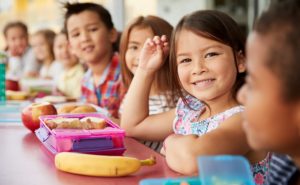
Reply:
x=213 y=25
x=15 y=24
x=49 y=36
x=159 y=27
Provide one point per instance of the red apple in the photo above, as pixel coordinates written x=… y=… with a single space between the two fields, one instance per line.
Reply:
x=12 y=85
x=31 y=114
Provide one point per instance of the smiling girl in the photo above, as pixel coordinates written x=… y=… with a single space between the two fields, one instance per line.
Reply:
x=208 y=67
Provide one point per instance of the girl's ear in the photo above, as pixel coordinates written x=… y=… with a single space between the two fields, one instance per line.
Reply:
x=241 y=62
x=113 y=35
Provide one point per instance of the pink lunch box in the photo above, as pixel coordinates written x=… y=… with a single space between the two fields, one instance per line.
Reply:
x=107 y=141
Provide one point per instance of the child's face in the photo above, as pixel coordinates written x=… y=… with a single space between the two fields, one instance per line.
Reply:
x=40 y=47
x=269 y=123
x=62 y=52
x=17 y=41
x=136 y=40
x=206 y=68
x=89 y=38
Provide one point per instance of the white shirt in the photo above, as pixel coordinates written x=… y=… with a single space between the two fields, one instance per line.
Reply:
x=18 y=67
x=53 y=71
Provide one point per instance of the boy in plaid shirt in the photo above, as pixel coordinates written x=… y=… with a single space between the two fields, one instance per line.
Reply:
x=91 y=36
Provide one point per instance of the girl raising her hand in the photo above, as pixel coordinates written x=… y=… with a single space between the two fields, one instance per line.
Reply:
x=207 y=65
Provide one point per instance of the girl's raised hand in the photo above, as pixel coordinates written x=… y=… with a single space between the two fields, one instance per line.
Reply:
x=154 y=53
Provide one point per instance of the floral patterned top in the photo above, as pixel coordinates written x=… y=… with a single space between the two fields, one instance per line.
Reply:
x=186 y=122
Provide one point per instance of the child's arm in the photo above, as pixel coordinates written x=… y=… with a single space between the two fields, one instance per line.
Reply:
x=228 y=138
x=135 y=117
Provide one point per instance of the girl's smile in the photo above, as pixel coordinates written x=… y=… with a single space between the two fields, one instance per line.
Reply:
x=206 y=68
x=204 y=83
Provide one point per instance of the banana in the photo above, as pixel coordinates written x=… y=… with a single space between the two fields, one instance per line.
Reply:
x=99 y=165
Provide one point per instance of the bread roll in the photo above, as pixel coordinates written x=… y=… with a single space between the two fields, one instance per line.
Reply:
x=87 y=123
x=66 y=109
x=83 y=109
x=94 y=122
x=16 y=95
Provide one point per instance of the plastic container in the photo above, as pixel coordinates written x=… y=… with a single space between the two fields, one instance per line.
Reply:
x=3 y=61
x=107 y=141
x=225 y=169
x=171 y=181
x=214 y=170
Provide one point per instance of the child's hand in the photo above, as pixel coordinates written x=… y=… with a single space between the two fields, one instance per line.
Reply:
x=153 y=53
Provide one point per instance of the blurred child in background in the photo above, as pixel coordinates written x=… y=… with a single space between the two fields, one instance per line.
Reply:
x=22 y=62
x=91 y=35
x=42 y=43
x=69 y=81
x=271 y=94
x=207 y=64
x=161 y=98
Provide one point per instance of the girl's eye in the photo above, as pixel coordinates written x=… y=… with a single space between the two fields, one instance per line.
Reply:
x=211 y=54
x=74 y=35
x=186 y=60
x=133 y=47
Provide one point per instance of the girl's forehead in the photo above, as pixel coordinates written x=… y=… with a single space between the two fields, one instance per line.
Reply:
x=142 y=29
x=15 y=30
x=188 y=40
x=60 y=37
x=38 y=36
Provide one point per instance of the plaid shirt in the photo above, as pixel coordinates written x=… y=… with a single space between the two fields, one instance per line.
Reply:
x=110 y=90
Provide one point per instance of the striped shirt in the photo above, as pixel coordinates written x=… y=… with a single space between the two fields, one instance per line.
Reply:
x=157 y=104
x=109 y=91
x=282 y=171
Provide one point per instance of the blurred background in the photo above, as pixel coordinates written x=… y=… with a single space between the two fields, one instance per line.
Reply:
x=39 y=14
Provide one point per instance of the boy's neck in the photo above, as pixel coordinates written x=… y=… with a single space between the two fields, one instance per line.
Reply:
x=98 y=68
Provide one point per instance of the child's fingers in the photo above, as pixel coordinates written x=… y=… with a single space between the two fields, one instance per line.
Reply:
x=159 y=49
x=164 y=38
x=149 y=42
x=156 y=40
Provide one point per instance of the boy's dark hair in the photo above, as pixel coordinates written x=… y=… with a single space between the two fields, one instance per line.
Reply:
x=77 y=8
x=214 y=25
x=281 y=24
x=15 y=24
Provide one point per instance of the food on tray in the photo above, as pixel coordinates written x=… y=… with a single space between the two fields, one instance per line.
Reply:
x=73 y=108
x=84 y=109
x=94 y=122
x=76 y=123
x=66 y=108
x=16 y=95
x=52 y=99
